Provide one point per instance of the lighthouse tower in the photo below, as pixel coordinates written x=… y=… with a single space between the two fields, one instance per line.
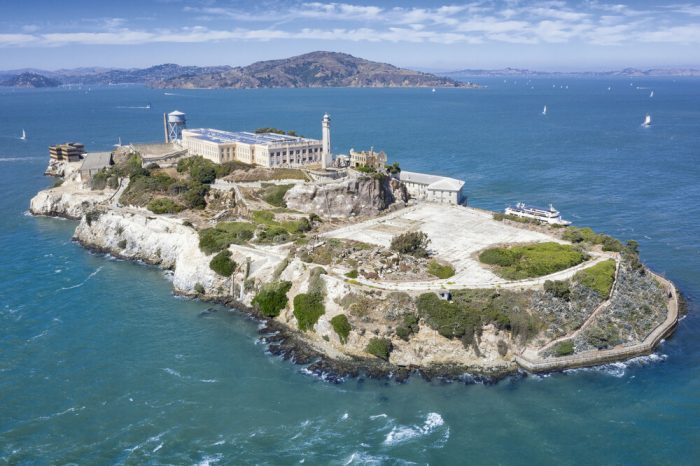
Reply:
x=326 y=158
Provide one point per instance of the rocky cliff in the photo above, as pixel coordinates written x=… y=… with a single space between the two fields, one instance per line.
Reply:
x=364 y=195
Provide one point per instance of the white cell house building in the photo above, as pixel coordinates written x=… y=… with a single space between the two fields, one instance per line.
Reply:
x=432 y=187
x=265 y=149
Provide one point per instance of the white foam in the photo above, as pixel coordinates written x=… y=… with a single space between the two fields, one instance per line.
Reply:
x=400 y=434
x=378 y=416
x=344 y=417
x=160 y=445
x=172 y=372
x=208 y=380
x=209 y=460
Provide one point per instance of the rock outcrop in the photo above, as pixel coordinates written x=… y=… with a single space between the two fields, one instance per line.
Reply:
x=364 y=195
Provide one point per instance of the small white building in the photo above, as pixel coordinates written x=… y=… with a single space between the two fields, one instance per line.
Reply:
x=433 y=188
x=265 y=149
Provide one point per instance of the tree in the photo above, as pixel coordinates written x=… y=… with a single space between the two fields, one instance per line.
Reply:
x=223 y=264
x=414 y=243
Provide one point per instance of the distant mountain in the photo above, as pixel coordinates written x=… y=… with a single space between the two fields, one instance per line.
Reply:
x=316 y=69
x=30 y=80
x=148 y=76
x=627 y=72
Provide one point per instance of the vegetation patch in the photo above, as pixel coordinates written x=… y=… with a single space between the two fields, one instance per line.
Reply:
x=470 y=310
x=352 y=274
x=414 y=243
x=223 y=264
x=223 y=235
x=440 y=270
x=408 y=327
x=558 y=288
x=277 y=131
x=599 y=278
x=587 y=235
x=164 y=205
x=564 y=348
x=342 y=327
x=308 y=308
x=379 y=347
x=531 y=260
x=273 y=194
x=272 y=298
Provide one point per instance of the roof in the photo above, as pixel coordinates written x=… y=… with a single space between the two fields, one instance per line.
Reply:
x=227 y=137
x=96 y=160
x=443 y=183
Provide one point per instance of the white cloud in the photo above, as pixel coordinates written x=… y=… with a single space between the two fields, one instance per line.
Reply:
x=511 y=21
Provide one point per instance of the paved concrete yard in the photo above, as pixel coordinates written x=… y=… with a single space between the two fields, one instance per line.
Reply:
x=455 y=233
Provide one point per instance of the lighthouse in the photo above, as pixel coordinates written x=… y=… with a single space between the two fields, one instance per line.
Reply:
x=326 y=158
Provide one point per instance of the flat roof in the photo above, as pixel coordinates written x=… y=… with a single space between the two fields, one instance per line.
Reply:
x=96 y=160
x=432 y=181
x=226 y=137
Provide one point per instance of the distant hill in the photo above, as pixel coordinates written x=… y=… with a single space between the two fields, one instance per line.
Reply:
x=316 y=69
x=30 y=80
x=627 y=72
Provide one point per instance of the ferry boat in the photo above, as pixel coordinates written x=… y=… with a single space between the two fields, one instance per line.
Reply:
x=551 y=215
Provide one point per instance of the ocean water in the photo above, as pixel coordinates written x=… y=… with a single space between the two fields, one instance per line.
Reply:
x=101 y=364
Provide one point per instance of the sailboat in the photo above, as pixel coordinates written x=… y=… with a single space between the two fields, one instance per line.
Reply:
x=544 y=110
x=23 y=137
x=120 y=142
x=148 y=107
x=647 y=121
x=651 y=94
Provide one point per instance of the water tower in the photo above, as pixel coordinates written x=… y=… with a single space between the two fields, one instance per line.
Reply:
x=174 y=124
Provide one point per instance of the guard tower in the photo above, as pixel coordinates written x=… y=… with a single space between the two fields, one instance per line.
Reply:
x=326 y=157
x=174 y=124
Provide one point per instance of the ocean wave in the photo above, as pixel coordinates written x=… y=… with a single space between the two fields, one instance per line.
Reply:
x=20 y=159
x=81 y=283
x=172 y=372
x=210 y=459
x=364 y=458
x=401 y=434
x=67 y=411
x=378 y=416
x=619 y=369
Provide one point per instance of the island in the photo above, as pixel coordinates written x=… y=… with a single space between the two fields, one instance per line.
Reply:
x=356 y=265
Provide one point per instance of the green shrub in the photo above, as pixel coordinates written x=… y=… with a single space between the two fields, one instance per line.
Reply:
x=580 y=235
x=598 y=278
x=272 y=298
x=448 y=318
x=223 y=235
x=603 y=337
x=352 y=274
x=273 y=194
x=564 y=348
x=342 y=327
x=558 y=288
x=498 y=216
x=92 y=216
x=611 y=244
x=532 y=260
x=199 y=288
x=223 y=264
x=122 y=244
x=195 y=196
x=440 y=270
x=308 y=308
x=200 y=169
x=379 y=347
x=408 y=327
x=414 y=243
x=163 y=205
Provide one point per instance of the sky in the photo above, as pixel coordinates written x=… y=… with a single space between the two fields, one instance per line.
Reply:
x=556 y=35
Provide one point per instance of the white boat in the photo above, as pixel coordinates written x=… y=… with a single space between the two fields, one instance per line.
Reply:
x=544 y=110
x=23 y=137
x=609 y=88
x=148 y=107
x=647 y=121
x=551 y=215
x=651 y=94
x=433 y=89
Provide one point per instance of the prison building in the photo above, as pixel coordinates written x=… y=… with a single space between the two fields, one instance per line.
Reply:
x=264 y=149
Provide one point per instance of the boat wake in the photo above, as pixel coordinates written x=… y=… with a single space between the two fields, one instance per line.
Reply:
x=81 y=283
x=401 y=433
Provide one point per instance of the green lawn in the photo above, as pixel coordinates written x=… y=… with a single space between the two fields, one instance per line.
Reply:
x=531 y=260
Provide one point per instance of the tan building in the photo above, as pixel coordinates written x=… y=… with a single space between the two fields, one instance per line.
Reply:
x=265 y=149
x=369 y=158
x=433 y=188
x=70 y=151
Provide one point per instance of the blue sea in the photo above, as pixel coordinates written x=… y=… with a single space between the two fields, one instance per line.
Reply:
x=101 y=364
